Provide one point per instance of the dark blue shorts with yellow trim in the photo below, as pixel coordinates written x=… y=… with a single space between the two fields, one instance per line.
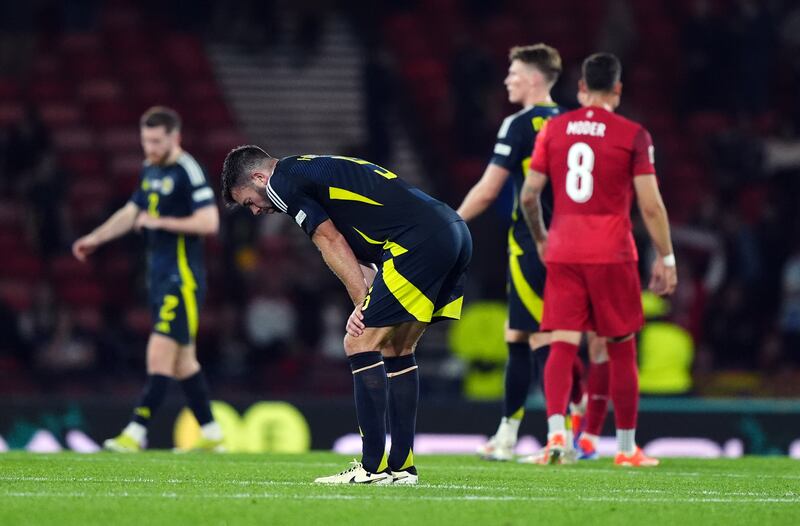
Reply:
x=526 y=276
x=425 y=283
x=175 y=308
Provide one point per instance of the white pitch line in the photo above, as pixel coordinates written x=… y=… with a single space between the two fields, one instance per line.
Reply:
x=245 y=482
x=613 y=470
x=384 y=496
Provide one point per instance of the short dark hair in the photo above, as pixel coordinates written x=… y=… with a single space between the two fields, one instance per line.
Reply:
x=161 y=116
x=541 y=56
x=239 y=164
x=601 y=71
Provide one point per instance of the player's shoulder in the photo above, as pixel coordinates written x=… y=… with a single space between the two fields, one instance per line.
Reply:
x=515 y=122
x=560 y=118
x=625 y=122
x=189 y=166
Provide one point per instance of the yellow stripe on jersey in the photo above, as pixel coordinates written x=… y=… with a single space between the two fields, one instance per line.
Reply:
x=391 y=246
x=347 y=195
x=452 y=310
x=406 y=293
x=367 y=238
x=188 y=287
x=533 y=303
x=513 y=247
x=383 y=172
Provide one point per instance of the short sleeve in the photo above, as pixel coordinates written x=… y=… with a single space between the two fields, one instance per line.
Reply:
x=512 y=144
x=539 y=156
x=138 y=197
x=291 y=198
x=643 y=154
x=196 y=185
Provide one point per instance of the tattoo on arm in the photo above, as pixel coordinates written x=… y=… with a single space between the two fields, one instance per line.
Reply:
x=532 y=211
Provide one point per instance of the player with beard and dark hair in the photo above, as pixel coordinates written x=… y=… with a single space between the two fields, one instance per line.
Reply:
x=174 y=207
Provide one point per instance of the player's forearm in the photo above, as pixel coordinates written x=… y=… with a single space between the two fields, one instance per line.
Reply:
x=475 y=203
x=204 y=222
x=657 y=224
x=531 y=205
x=339 y=257
x=120 y=223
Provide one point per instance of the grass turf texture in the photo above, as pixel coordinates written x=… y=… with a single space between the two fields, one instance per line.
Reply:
x=166 y=488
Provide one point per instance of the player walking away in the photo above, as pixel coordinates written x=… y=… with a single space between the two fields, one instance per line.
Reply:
x=355 y=211
x=596 y=162
x=174 y=207
x=532 y=72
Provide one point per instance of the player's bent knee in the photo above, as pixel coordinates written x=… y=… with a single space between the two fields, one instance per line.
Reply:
x=353 y=345
x=186 y=368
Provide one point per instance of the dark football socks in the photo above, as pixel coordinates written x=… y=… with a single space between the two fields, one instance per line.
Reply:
x=155 y=390
x=370 y=392
x=403 y=379
x=196 y=391
x=517 y=380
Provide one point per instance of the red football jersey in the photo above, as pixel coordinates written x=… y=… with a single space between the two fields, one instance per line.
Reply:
x=591 y=156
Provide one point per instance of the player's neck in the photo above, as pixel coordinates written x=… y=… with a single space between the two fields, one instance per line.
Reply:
x=538 y=98
x=606 y=101
x=173 y=156
x=272 y=163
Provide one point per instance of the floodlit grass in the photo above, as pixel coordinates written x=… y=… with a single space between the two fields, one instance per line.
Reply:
x=154 y=488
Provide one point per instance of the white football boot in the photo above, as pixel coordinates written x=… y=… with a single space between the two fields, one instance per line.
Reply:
x=356 y=474
x=501 y=445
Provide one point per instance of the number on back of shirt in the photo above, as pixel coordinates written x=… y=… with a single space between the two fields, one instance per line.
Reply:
x=580 y=163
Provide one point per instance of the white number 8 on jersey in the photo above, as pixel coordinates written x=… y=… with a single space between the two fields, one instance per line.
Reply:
x=580 y=183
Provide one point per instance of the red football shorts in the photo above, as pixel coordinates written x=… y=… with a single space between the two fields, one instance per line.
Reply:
x=605 y=297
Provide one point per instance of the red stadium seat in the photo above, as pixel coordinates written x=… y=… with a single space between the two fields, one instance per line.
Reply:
x=49 y=89
x=65 y=268
x=9 y=90
x=81 y=294
x=107 y=114
x=88 y=163
x=100 y=89
x=122 y=139
x=17 y=294
x=10 y=113
x=21 y=265
x=60 y=114
x=73 y=139
x=138 y=320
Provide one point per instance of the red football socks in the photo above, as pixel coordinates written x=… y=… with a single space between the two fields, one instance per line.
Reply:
x=558 y=377
x=597 y=391
x=576 y=394
x=624 y=382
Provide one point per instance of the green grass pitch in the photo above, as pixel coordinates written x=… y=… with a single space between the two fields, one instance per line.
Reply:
x=165 y=488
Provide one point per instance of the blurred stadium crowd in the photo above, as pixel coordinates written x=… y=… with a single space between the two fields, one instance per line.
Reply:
x=714 y=81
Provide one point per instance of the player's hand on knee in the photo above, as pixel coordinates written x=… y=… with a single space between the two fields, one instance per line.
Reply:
x=355 y=323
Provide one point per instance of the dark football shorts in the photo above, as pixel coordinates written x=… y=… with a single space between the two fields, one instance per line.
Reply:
x=526 y=277
x=424 y=283
x=175 y=309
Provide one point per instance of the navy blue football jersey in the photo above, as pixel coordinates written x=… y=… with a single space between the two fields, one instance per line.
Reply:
x=515 y=141
x=175 y=190
x=373 y=208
